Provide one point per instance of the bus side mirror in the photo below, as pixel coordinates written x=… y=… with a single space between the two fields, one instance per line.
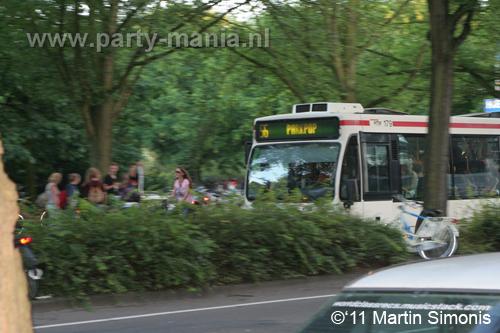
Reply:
x=352 y=190
x=248 y=149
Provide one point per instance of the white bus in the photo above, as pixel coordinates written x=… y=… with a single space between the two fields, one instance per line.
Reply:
x=363 y=157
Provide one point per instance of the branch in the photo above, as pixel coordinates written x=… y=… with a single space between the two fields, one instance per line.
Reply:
x=219 y=18
x=17 y=108
x=79 y=63
x=153 y=58
x=482 y=81
x=336 y=57
x=275 y=71
x=125 y=95
x=292 y=31
x=65 y=71
x=130 y=15
x=465 y=31
x=384 y=25
x=133 y=63
x=405 y=85
x=61 y=65
x=87 y=118
x=387 y=56
x=235 y=24
x=459 y=13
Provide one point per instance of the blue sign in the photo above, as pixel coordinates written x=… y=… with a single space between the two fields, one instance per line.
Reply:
x=492 y=105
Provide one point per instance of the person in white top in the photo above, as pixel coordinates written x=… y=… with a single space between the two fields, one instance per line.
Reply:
x=52 y=192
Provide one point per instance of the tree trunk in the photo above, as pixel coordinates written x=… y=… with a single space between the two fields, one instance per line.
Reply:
x=31 y=181
x=100 y=134
x=436 y=159
x=344 y=57
x=15 y=316
x=351 y=52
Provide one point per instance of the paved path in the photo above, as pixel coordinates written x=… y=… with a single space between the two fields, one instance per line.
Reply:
x=279 y=306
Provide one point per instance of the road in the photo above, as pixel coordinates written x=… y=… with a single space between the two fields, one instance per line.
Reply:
x=279 y=306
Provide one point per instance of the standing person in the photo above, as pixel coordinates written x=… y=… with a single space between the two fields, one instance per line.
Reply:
x=418 y=167
x=128 y=190
x=94 y=186
x=182 y=185
x=133 y=176
x=409 y=179
x=72 y=188
x=52 y=193
x=111 y=183
x=140 y=172
x=136 y=175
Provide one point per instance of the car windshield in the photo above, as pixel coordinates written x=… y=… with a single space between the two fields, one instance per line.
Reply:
x=308 y=169
x=360 y=312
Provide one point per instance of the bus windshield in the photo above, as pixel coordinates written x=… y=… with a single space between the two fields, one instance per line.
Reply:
x=292 y=167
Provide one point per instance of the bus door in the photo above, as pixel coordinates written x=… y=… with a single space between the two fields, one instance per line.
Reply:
x=350 y=177
x=380 y=174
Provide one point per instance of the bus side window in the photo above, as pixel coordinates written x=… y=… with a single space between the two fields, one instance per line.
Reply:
x=411 y=151
x=475 y=161
x=377 y=159
x=350 y=168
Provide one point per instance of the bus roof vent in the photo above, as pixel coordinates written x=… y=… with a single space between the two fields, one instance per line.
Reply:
x=328 y=107
x=481 y=115
x=384 y=111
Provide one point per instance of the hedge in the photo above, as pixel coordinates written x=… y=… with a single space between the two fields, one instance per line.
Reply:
x=481 y=232
x=109 y=250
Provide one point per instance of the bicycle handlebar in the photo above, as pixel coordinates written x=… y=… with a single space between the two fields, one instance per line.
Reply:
x=399 y=197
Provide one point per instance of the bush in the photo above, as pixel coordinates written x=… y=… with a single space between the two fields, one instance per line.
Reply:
x=142 y=248
x=277 y=241
x=481 y=233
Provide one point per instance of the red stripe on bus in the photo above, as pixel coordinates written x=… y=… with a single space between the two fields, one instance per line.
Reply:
x=472 y=125
x=418 y=124
x=354 y=123
x=452 y=125
x=409 y=123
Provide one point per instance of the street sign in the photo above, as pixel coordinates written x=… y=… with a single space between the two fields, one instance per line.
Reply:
x=492 y=105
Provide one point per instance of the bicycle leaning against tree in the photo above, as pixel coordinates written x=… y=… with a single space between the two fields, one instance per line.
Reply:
x=434 y=237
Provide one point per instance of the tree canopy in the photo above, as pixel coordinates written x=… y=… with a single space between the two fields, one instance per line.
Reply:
x=65 y=108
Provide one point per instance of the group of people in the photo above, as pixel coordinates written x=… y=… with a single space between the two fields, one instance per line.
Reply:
x=97 y=190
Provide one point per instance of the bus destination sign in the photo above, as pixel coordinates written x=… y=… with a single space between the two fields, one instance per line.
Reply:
x=297 y=129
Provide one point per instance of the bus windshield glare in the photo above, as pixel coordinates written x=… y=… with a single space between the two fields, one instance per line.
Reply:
x=283 y=169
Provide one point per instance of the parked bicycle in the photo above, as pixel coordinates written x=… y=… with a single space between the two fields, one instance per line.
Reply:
x=435 y=237
x=185 y=208
x=30 y=263
x=30 y=211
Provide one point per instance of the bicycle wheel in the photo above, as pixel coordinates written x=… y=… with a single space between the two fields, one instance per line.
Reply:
x=443 y=244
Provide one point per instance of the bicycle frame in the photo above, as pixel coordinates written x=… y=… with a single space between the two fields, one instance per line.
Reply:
x=434 y=232
x=409 y=236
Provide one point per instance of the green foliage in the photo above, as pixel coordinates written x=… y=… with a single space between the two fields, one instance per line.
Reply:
x=39 y=128
x=195 y=106
x=201 y=109
x=481 y=233
x=114 y=252
x=272 y=241
x=107 y=250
